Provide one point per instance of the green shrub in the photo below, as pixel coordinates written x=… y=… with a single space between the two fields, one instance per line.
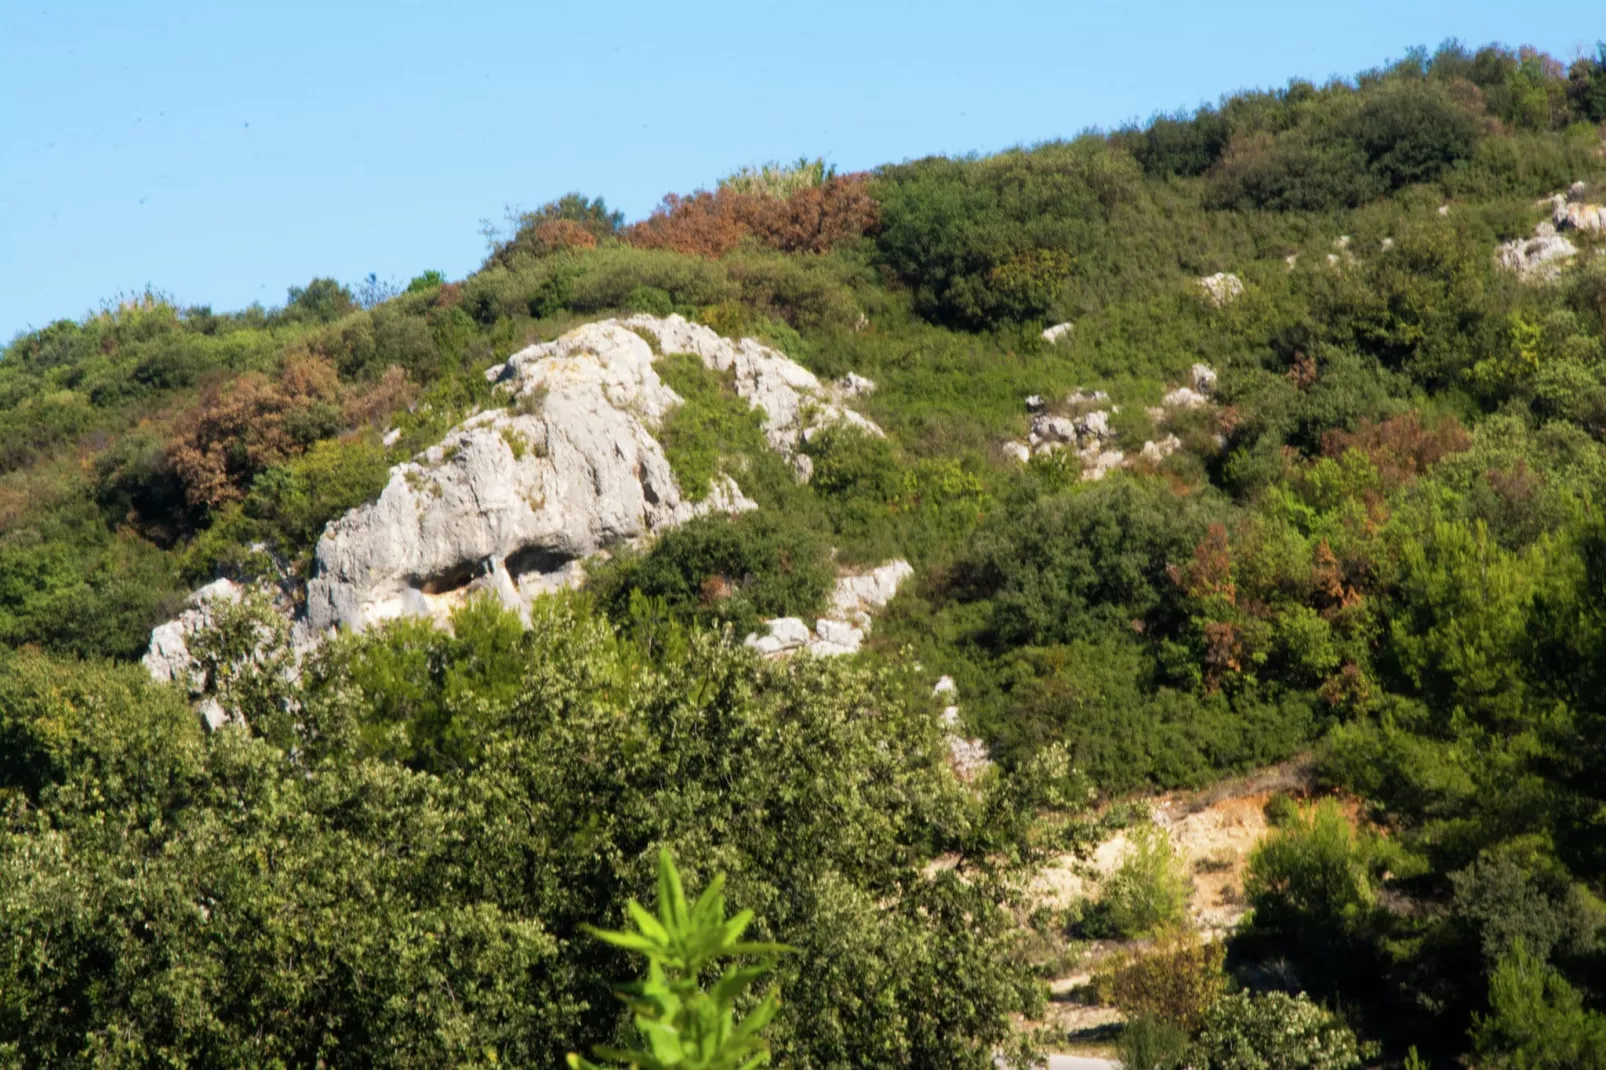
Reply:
x=716 y=433
x=1274 y=1031
x=724 y=570
x=1150 y=1044
x=1148 y=891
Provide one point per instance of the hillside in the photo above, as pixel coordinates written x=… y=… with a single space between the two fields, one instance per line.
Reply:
x=877 y=540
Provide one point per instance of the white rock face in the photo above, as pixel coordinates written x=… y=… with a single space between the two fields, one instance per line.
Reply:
x=1222 y=288
x=860 y=594
x=1573 y=215
x=1536 y=259
x=168 y=658
x=1055 y=333
x=790 y=631
x=1202 y=377
x=793 y=400
x=513 y=499
x=968 y=757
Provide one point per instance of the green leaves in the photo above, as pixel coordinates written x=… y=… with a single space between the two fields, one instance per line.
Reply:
x=680 y=1023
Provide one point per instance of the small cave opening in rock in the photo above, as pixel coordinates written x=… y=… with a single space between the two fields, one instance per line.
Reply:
x=451 y=579
x=536 y=559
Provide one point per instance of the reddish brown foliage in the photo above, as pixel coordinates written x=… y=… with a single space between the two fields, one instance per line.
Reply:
x=394 y=391
x=248 y=424
x=812 y=220
x=556 y=235
x=1209 y=574
x=703 y=224
x=1302 y=373
x=1400 y=447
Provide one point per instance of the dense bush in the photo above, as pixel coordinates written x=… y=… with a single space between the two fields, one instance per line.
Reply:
x=314 y=901
x=724 y=570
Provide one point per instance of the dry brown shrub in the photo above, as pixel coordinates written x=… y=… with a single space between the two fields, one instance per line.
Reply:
x=703 y=224
x=812 y=220
x=557 y=235
x=1400 y=447
x=392 y=393
x=245 y=425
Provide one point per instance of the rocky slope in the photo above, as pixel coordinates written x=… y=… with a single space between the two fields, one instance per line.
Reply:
x=514 y=499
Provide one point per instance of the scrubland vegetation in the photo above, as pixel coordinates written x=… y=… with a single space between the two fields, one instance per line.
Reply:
x=1382 y=547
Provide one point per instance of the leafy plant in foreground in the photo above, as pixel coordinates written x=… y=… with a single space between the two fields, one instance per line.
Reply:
x=679 y=1022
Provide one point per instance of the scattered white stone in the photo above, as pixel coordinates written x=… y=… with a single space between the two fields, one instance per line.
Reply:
x=944 y=686
x=1056 y=332
x=1386 y=244
x=1155 y=452
x=1444 y=209
x=213 y=715
x=950 y=716
x=392 y=437
x=1105 y=463
x=1054 y=428
x=1086 y=397
x=1589 y=218
x=1291 y=259
x=1222 y=288
x=1096 y=424
x=1576 y=191
x=1202 y=377
x=1536 y=259
x=1035 y=403
x=1184 y=397
x=1017 y=451
x=854 y=385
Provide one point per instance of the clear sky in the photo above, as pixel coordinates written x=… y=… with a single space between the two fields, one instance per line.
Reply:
x=221 y=152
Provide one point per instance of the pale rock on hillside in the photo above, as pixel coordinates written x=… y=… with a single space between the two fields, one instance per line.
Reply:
x=514 y=499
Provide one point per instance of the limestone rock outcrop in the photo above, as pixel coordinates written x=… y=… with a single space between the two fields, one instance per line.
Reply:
x=1536 y=259
x=168 y=657
x=514 y=499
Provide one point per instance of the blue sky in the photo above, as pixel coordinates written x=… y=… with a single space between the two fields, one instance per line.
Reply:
x=222 y=152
